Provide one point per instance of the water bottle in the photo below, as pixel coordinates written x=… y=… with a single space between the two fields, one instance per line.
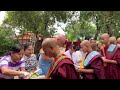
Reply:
x=39 y=71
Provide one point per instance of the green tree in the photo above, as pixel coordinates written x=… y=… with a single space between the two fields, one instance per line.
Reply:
x=38 y=22
x=7 y=39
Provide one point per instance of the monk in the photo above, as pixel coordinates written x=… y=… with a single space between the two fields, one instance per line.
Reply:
x=118 y=42
x=61 y=41
x=112 y=40
x=62 y=67
x=112 y=58
x=93 y=63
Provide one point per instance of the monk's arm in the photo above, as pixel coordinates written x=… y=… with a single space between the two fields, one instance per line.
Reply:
x=110 y=61
x=85 y=70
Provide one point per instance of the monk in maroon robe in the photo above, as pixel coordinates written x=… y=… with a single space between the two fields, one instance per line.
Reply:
x=111 y=58
x=118 y=42
x=93 y=63
x=62 y=67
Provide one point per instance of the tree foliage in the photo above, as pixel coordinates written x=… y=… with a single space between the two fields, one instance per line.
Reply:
x=7 y=39
x=104 y=22
x=37 y=22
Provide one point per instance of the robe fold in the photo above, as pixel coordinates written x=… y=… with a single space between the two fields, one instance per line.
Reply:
x=112 y=71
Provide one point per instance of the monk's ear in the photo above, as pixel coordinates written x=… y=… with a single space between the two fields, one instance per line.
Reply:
x=51 y=47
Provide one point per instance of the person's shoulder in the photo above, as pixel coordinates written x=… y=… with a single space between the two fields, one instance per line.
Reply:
x=67 y=61
x=23 y=59
x=7 y=58
x=78 y=52
x=33 y=55
x=66 y=52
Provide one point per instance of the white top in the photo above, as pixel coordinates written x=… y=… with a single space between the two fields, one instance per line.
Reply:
x=7 y=61
x=79 y=58
x=73 y=57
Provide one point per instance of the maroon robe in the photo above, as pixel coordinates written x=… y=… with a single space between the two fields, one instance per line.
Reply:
x=97 y=64
x=65 y=70
x=67 y=43
x=77 y=45
x=112 y=71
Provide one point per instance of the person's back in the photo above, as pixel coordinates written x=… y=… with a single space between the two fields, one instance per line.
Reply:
x=44 y=65
x=62 y=68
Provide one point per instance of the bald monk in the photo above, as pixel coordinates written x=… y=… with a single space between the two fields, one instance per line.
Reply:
x=61 y=41
x=118 y=42
x=93 y=63
x=112 y=40
x=62 y=67
x=112 y=58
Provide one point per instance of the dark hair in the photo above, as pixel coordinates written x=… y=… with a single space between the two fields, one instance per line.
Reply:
x=27 y=45
x=87 y=38
x=15 y=49
x=72 y=46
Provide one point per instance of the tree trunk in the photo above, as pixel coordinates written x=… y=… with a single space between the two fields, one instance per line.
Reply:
x=109 y=23
x=109 y=29
x=98 y=27
x=38 y=44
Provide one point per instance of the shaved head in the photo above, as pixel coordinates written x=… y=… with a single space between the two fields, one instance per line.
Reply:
x=105 y=38
x=61 y=36
x=50 y=47
x=48 y=42
x=118 y=40
x=61 y=39
x=85 y=46
x=106 y=35
x=112 y=40
x=85 y=42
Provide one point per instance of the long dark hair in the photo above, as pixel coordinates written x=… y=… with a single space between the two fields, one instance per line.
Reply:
x=15 y=49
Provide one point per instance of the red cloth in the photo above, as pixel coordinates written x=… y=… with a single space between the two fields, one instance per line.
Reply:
x=112 y=71
x=67 y=43
x=65 y=70
x=97 y=64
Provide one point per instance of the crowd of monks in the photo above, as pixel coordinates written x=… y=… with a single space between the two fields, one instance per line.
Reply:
x=86 y=59
x=100 y=60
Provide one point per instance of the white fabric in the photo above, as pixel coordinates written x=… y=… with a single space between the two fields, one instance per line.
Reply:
x=24 y=74
x=3 y=63
x=79 y=58
x=73 y=57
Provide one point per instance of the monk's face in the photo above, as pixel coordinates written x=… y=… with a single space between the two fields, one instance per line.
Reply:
x=61 y=42
x=49 y=51
x=93 y=43
x=84 y=48
x=104 y=39
x=118 y=41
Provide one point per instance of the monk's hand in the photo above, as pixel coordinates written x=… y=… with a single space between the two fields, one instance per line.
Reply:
x=104 y=59
x=79 y=70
